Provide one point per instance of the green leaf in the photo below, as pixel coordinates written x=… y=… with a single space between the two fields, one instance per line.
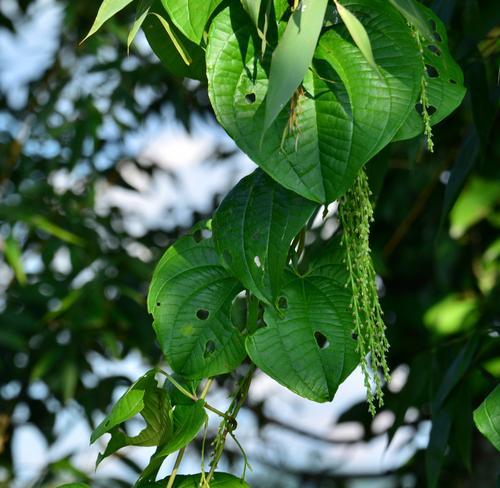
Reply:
x=487 y=417
x=142 y=11
x=187 y=422
x=107 y=9
x=252 y=8
x=342 y=120
x=191 y=16
x=444 y=77
x=292 y=57
x=47 y=226
x=190 y=298
x=253 y=229
x=307 y=344
x=178 y=54
x=74 y=485
x=13 y=255
x=219 y=480
x=358 y=33
x=414 y=16
x=143 y=397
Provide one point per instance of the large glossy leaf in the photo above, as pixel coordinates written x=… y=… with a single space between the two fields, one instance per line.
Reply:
x=191 y=16
x=293 y=55
x=253 y=229
x=144 y=397
x=487 y=417
x=107 y=10
x=178 y=54
x=307 y=344
x=347 y=113
x=414 y=16
x=219 y=480
x=187 y=422
x=190 y=299
x=445 y=80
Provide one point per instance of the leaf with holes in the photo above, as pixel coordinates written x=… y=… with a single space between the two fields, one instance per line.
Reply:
x=190 y=298
x=307 y=344
x=191 y=16
x=144 y=397
x=187 y=420
x=178 y=54
x=347 y=113
x=253 y=229
x=444 y=78
x=487 y=417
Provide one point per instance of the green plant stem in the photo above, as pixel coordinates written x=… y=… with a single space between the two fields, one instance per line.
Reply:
x=178 y=461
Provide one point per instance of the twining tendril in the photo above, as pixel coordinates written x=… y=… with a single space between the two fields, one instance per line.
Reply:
x=356 y=214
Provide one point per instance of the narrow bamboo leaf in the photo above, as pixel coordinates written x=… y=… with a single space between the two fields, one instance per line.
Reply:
x=293 y=55
x=253 y=229
x=312 y=160
x=175 y=41
x=190 y=298
x=47 y=226
x=178 y=54
x=13 y=254
x=191 y=16
x=140 y=15
x=487 y=417
x=107 y=9
x=358 y=33
x=252 y=8
x=414 y=16
x=307 y=344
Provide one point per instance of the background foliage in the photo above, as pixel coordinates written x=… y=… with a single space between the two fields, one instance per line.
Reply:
x=435 y=245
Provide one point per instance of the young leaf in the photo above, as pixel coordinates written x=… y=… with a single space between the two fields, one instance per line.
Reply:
x=293 y=55
x=178 y=54
x=253 y=229
x=146 y=398
x=107 y=9
x=187 y=422
x=190 y=16
x=307 y=344
x=487 y=417
x=313 y=160
x=190 y=298
x=414 y=16
x=358 y=33
x=140 y=15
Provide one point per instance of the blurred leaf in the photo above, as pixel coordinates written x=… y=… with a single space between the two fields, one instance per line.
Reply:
x=487 y=417
x=461 y=434
x=414 y=16
x=13 y=255
x=475 y=203
x=358 y=34
x=44 y=224
x=107 y=9
x=292 y=57
x=219 y=480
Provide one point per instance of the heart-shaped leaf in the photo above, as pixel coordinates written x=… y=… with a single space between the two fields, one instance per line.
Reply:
x=307 y=344
x=347 y=113
x=144 y=397
x=191 y=16
x=190 y=299
x=444 y=78
x=253 y=229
